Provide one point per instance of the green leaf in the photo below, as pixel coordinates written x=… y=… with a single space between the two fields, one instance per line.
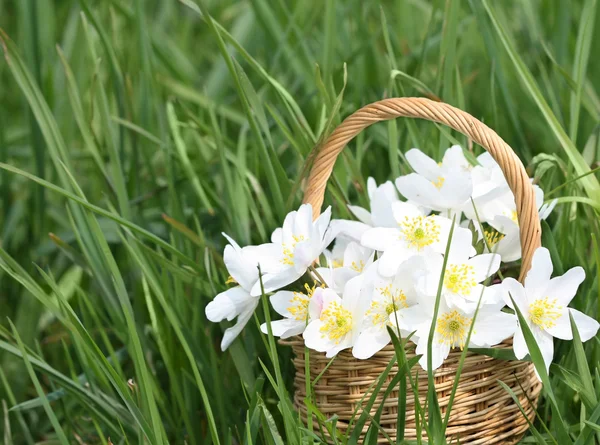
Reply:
x=590 y=184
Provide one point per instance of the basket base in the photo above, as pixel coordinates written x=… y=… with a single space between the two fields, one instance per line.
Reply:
x=483 y=412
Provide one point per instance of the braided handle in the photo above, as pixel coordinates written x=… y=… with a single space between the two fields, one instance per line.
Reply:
x=416 y=107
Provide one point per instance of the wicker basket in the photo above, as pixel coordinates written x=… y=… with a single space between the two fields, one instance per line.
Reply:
x=482 y=412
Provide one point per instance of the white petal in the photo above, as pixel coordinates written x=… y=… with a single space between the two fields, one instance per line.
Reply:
x=221 y=308
x=587 y=326
x=314 y=339
x=369 y=342
x=413 y=318
x=546 y=345
x=273 y=282
x=491 y=329
x=418 y=189
x=281 y=301
x=402 y=210
x=455 y=158
x=439 y=352
x=519 y=344
x=363 y=215
x=303 y=221
x=236 y=296
x=460 y=246
x=541 y=270
x=344 y=343
x=232 y=332
x=422 y=164
x=285 y=328
x=277 y=236
x=515 y=290
x=244 y=272
x=381 y=206
x=371 y=186
x=546 y=209
x=351 y=229
x=562 y=326
x=268 y=256
x=231 y=241
x=565 y=287
x=456 y=190
x=484 y=265
x=380 y=238
x=391 y=260
x=322 y=222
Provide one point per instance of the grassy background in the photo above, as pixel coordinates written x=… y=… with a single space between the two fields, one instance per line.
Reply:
x=133 y=133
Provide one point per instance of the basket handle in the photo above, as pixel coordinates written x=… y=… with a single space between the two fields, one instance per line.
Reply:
x=417 y=107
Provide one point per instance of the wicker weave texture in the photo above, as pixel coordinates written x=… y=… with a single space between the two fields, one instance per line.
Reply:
x=482 y=413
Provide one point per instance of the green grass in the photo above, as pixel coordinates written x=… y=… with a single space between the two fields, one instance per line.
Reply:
x=133 y=133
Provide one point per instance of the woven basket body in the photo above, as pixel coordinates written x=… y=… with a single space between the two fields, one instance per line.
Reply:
x=483 y=412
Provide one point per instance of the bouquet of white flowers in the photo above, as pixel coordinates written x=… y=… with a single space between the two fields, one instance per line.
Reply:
x=425 y=258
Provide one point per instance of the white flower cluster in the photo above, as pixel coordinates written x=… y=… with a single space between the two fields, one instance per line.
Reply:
x=386 y=269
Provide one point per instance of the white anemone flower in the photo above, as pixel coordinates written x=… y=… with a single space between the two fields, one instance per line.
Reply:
x=544 y=302
x=295 y=246
x=340 y=319
x=501 y=237
x=391 y=296
x=380 y=198
x=504 y=205
x=501 y=214
x=414 y=233
x=491 y=327
x=296 y=309
x=445 y=187
x=343 y=265
x=242 y=264
x=464 y=273
x=488 y=183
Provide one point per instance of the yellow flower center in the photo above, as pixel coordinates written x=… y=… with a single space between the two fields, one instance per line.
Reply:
x=492 y=237
x=439 y=182
x=380 y=310
x=420 y=231
x=288 y=252
x=230 y=280
x=459 y=279
x=358 y=267
x=453 y=328
x=337 y=322
x=299 y=303
x=514 y=217
x=544 y=312
x=337 y=263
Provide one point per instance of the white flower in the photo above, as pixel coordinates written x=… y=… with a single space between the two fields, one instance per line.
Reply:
x=390 y=297
x=381 y=199
x=501 y=237
x=346 y=261
x=294 y=247
x=242 y=264
x=444 y=187
x=297 y=310
x=452 y=328
x=340 y=319
x=463 y=275
x=544 y=304
x=414 y=233
x=488 y=183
